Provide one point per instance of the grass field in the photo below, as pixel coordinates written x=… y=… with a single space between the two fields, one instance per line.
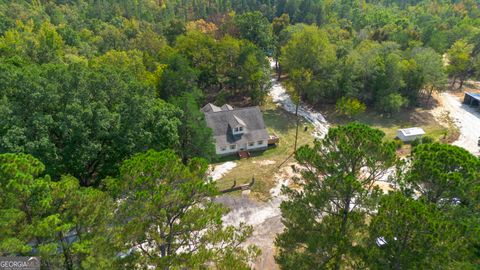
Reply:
x=407 y=118
x=263 y=165
x=390 y=124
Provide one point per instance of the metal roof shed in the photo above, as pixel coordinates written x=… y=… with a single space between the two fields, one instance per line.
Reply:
x=472 y=99
x=410 y=134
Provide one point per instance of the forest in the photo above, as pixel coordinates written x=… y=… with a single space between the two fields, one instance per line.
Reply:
x=104 y=150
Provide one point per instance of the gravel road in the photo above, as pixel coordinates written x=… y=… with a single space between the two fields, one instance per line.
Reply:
x=465 y=117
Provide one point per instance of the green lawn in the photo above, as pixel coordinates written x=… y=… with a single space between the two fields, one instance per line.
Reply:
x=263 y=165
x=407 y=118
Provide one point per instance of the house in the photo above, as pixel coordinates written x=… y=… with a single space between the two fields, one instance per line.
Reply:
x=236 y=129
x=472 y=99
x=410 y=134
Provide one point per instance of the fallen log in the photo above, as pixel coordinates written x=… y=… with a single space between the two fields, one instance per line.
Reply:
x=234 y=187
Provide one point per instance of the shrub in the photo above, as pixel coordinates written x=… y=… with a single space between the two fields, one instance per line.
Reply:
x=423 y=140
x=416 y=142
x=427 y=139
x=392 y=103
x=398 y=143
x=350 y=107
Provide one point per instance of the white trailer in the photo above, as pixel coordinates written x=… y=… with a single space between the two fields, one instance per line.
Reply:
x=410 y=134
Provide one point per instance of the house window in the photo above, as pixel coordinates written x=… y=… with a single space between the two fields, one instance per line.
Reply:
x=236 y=129
x=233 y=146
x=223 y=148
x=240 y=129
x=251 y=144
x=260 y=142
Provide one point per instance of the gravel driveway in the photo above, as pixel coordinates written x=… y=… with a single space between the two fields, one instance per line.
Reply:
x=465 y=117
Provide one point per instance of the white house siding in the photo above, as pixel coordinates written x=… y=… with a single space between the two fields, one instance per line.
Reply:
x=257 y=146
x=229 y=151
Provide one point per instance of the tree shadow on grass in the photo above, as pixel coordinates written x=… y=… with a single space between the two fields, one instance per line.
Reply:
x=405 y=118
x=279 y=120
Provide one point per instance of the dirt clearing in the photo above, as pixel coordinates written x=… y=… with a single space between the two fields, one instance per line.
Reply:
x=466 y=118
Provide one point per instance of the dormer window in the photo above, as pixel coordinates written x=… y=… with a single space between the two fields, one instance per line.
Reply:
x=238 y=130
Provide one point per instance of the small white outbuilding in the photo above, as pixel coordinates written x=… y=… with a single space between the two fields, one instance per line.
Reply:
x=410 y=134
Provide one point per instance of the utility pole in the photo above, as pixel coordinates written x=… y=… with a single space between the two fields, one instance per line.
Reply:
x=296 y=132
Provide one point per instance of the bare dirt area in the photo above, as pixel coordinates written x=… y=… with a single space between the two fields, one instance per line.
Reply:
x=265 y=217
x=218 y=171
x=466 y=118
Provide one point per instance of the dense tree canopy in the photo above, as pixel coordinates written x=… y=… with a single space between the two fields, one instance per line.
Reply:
x=165 y=215
x=323 y=219
x=157 y=212
x=310 y=50
x=84 y=118
x=407 y=234
x=40 y=217
x=443 y=173
x=336 y=218
x=106 y=94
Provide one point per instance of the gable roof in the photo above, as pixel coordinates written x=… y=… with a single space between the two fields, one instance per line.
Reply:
x=226 y=107
x=221 y=123
x=210 y=108
x=235 y=122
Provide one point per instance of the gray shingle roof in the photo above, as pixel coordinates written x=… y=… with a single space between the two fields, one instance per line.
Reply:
x=211 y=108
x=220 y=123
x=226 y=107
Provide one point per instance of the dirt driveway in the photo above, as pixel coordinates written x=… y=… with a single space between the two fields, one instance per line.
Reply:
x=465 y=117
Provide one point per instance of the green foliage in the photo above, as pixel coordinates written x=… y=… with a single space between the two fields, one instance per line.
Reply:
x=280 y=23
x=165 y=213
x=255 y=27
x=310 y=51
x=195 y=138
x=84 y=118
x=442 y=172
x=392 y=103
x=177 y=78
x=337 y=193
x=40 y=217
x=408 y=233
x=338 y=219
x=81 y=82
x=459 y=61
x=398 y=143
x=230 y=68
x=349 y=107
x=431 y=70
x=424 y=139
x=447 y=178
x=427 y=139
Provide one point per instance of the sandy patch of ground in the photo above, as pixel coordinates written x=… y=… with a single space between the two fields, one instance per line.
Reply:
x=466 y=118
x=384 y=186
x=265 y=217
x=281 y=97
x=221 y=169
x=264 y=162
